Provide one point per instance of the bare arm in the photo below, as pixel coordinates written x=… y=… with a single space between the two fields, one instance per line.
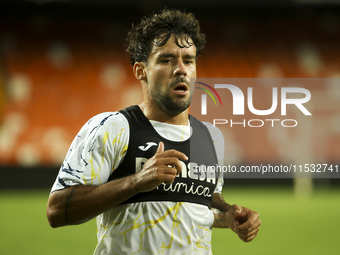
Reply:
x=220 y=208
x=78 y=204
x=243 y=221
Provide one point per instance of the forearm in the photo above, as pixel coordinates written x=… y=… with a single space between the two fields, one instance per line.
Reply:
x=220 y=209
x=78 y=204
x=220 y=219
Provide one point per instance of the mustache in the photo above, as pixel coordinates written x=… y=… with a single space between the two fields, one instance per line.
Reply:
x=180 y=80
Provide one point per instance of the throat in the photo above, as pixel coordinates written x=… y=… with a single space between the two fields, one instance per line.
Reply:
x=156 y=113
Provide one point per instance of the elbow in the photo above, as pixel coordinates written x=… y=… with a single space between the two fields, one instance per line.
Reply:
x=52 y=217
x=55 y=215
x=54 y=211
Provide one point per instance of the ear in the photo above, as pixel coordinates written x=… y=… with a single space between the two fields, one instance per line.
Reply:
x=139 y=70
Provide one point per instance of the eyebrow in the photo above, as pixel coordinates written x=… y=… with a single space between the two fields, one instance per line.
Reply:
x=171 y=55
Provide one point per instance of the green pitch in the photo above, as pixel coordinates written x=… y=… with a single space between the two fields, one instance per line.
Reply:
x=289 y=225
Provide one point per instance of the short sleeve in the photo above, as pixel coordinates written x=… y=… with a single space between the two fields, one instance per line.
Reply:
x=95 y=152
x=218 y=141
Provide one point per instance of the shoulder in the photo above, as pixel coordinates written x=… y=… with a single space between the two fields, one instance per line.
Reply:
x=104 y=121
x=102 y=126
x=215 y=132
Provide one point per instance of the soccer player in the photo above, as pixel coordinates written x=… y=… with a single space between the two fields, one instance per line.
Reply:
x=136 y=169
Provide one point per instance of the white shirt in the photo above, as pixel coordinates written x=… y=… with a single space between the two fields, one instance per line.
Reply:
x=139 y=228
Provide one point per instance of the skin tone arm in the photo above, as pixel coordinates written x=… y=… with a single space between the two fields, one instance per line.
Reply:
x=243 y=221
x=78 y=204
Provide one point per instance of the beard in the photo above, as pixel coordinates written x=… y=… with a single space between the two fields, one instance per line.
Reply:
x=169 y=105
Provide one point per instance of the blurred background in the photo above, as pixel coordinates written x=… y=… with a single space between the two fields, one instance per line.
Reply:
x=63 y=61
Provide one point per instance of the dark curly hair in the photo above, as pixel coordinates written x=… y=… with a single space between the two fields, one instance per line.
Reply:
x=158 y=28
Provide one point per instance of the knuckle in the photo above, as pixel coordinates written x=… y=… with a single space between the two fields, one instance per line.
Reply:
x=158 y=177
x=157 y=156
x=170 y=179
x=248 y=239
x=174 y=171
x=174 y=160
x=175 y=163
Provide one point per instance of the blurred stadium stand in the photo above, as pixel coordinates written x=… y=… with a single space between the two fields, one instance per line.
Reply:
x=61 y=62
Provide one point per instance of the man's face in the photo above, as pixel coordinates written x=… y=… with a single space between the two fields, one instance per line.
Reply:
x=169 y=70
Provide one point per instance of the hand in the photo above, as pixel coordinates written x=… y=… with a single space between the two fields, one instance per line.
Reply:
x=162 y=167
x=244 y=222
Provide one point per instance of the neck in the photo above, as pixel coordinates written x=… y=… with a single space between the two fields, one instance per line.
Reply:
x=154 y=112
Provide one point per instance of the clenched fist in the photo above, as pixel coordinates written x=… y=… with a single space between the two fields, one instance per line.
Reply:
x=162 y=167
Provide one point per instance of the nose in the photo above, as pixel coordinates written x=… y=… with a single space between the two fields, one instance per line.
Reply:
x=180 y=69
